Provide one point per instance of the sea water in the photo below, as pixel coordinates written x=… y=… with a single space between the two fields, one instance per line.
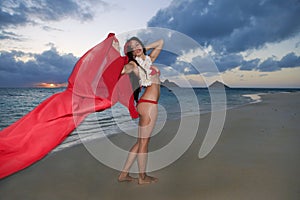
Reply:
x=174 y=103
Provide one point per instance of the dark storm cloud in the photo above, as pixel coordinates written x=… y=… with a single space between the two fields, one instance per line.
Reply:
x=249 y=65
x=288 y=61
x=271 y=64
x=231 y=26
x=48 y=66
x=228 y=62
x=14 y=13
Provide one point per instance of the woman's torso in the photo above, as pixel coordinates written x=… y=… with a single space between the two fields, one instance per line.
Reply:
x=152 y=91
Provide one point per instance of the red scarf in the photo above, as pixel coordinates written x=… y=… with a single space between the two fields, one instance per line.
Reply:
x=94 y=85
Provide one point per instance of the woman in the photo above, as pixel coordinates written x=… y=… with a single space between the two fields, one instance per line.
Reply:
x=141 y=65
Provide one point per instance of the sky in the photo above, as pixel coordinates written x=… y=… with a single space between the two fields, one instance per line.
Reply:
x=252 y=43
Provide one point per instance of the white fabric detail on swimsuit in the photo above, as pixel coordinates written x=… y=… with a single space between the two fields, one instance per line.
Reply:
x=145 y=79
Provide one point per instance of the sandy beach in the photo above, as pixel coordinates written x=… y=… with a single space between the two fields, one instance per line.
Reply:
x=257 y=157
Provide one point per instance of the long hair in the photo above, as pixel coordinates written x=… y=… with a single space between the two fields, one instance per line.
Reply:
x=133 y=78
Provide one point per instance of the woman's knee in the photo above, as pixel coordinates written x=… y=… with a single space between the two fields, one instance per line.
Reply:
x=144 y=120
x=143 y=142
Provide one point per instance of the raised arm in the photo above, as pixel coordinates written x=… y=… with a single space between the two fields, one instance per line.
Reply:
x=157 y=47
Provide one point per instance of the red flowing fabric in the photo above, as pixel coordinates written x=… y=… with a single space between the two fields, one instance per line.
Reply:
x=94 y=85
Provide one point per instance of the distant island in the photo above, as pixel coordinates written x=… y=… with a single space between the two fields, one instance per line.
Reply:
x=214 y=85
x=218 y=85
x=168 y=84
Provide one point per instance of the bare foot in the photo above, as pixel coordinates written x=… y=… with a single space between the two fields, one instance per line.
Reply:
x=147 y=179
x=124 y=177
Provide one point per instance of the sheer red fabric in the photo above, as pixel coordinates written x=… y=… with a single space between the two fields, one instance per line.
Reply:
x=94 y=85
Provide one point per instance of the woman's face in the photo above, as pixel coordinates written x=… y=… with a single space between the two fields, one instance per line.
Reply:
x=136 y=47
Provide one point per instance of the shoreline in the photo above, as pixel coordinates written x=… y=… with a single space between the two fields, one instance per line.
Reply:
x=256 y=157
x=255 y=98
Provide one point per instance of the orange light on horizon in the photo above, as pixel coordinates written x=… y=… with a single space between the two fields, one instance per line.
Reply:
x=50 y=85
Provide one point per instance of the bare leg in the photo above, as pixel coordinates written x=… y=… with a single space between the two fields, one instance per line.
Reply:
x=148 y=116
x=146 y=125
x=124 y=175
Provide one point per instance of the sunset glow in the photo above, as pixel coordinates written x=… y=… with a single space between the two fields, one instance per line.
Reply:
x=50 y=85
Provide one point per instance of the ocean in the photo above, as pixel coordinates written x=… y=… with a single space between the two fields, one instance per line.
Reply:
x=174 y=103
